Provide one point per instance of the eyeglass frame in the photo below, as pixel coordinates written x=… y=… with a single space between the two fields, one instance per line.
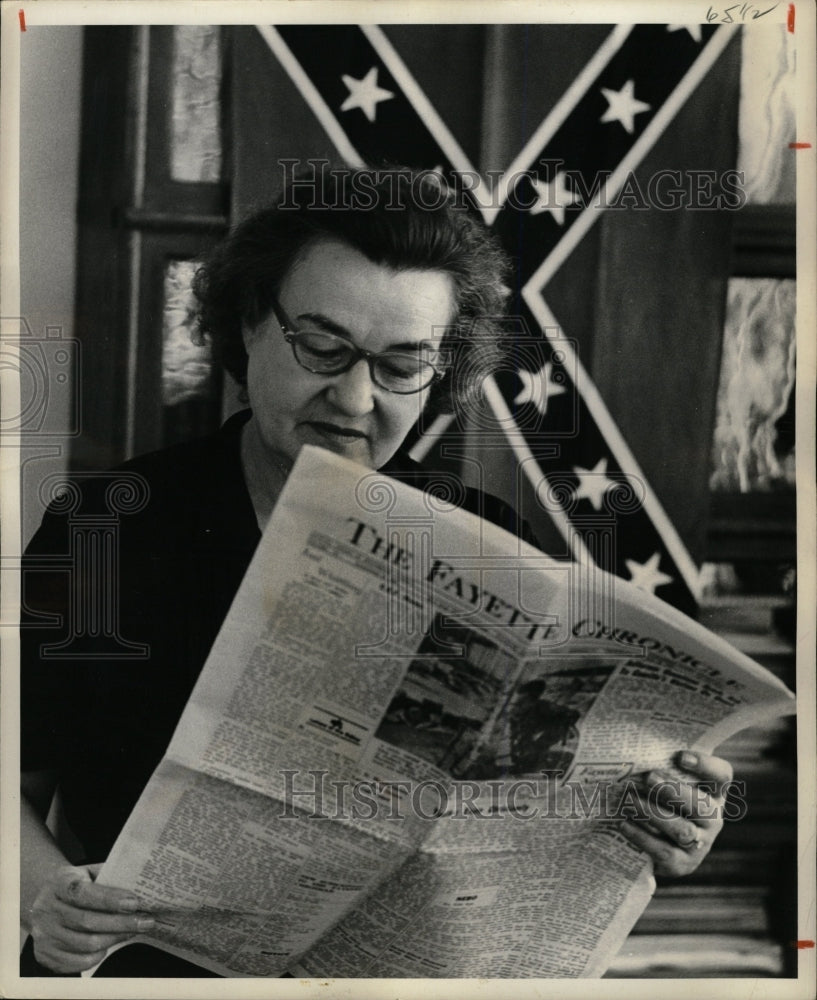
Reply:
x=357 y=353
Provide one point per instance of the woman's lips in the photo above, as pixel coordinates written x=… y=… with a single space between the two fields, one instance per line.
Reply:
x=335 y=432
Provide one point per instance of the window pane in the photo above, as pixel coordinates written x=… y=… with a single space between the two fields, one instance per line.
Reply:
x=766 y=120
x=753 y=447
x=187 y=371
x=195 y=141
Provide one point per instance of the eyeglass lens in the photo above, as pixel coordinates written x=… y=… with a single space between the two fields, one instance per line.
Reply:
x=326 y=354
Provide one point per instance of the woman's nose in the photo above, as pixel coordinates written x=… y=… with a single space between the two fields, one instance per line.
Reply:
x=352 y=391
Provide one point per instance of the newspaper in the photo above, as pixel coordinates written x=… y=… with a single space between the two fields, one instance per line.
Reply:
x=412 y=745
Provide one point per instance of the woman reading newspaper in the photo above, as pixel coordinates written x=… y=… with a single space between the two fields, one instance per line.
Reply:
x=345 y=313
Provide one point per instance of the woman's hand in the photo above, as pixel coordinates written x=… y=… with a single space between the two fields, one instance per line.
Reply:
x=74 y=921
x=682 y=817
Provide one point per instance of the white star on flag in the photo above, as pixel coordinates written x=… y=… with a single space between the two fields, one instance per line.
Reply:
x=593 y=483
x=538 y=387
x=365 y=94
x=554 y=197
x=623 y=105
x=647 y=576
x=693 y=29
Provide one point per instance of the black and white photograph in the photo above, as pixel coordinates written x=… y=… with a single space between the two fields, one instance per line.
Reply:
x=446 y=696
x=413 y=397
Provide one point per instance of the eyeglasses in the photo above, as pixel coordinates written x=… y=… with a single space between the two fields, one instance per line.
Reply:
x=327 y=354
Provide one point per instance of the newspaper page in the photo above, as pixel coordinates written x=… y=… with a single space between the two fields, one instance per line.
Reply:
x=411 y=747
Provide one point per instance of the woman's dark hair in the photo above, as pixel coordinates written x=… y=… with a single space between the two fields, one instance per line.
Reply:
x=394 y=216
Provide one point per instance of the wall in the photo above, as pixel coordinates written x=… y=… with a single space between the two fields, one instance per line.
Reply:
x=51 y=64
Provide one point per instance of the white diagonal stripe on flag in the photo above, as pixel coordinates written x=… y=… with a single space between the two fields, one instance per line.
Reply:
x=618 y=446
x=311 y=95
x=425 y=109
x=668 y=110
x=423 y=445
x=558 y=115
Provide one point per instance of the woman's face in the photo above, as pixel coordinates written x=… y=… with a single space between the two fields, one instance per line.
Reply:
x=336 y=289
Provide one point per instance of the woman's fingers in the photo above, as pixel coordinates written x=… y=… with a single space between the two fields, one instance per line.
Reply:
x=688 y=833
x=667 y=796
x=669 y=858
x=680 y=816
x=98 y=922
x=714 y=773
x=75 y=920
x=84 y=943
x=75 y=887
